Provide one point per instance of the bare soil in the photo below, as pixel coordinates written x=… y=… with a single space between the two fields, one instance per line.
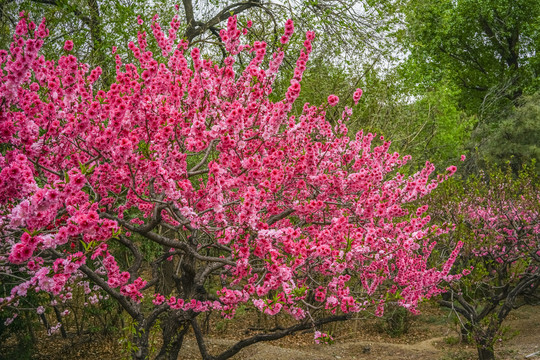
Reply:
x=432 y=335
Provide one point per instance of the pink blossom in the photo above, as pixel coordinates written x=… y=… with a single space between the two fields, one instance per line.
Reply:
x=199 y=156
x=357 y=95
x=333 y=100
x=68 y=46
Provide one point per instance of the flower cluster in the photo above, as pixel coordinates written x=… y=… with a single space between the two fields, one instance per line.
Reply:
x=289 y=30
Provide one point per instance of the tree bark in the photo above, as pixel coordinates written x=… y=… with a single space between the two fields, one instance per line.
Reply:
x=485 y=352
x=140 y=342
x=174 y=330
x=196 y=28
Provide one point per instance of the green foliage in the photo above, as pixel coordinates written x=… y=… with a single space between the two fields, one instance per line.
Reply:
x=131 y=331
x=458 y=354
x=452 y=340
x=429 y=126
x=484 y=52
x=487 y=48
x=515 y=139
x=128 y=333
x=17 y=339
x=396 y=321
x=22 y=342
x=319 y=80
x=102 y=317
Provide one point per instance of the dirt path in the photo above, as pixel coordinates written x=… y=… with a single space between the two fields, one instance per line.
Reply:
x=426 y=349
x=426 y=340
x=431 y=336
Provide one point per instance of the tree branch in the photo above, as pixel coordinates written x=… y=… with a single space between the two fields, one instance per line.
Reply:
x=274 y=336
x=122 y=300
x=134 y=268
x=196 y=28
x=275 y=218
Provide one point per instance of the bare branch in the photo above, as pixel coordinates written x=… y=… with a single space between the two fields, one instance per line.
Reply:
x=275 y=218
x=275 y=335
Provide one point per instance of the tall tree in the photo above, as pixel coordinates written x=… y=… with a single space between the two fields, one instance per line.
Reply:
x=487 y=47
x=487 y=50
x=93 y=25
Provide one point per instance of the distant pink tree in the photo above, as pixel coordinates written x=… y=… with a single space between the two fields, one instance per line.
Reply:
x=285 y=212
x=497 y=216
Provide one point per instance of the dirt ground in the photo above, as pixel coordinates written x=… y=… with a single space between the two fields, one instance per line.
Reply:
x=432 y=335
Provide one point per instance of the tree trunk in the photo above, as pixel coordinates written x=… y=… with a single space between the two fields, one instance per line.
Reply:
x=174 y=331
x=485 y=340
x=165 y=283
x=98 y=52
x=485 y=352
x=466 y=331
x=140 y=344
x=59 y=319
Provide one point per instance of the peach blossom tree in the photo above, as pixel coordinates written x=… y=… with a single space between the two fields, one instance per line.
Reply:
x=287 y=212
x=497 y=216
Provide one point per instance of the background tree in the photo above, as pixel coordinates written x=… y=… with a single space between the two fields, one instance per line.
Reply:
x=93 y=25
x=498 y=218
x=96 y=25
x=515 y=140
x=486 y=49
x=351 y=36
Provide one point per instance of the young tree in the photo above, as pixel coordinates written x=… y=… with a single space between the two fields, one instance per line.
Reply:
x=252 y=204
x=498 y=218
